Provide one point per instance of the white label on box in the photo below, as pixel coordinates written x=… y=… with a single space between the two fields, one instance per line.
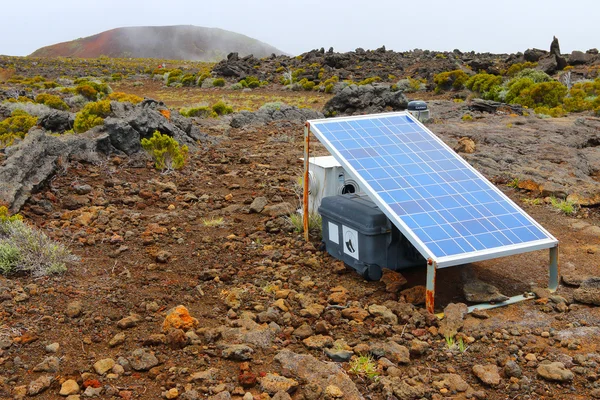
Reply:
x=350 y=242
x=334 y=233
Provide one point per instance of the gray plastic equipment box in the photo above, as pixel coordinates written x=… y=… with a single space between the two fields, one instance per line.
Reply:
x=357 y=232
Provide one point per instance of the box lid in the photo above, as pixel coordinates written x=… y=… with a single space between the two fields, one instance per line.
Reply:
x=357 y=211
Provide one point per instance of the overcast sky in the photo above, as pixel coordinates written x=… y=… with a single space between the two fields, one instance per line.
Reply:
x=297 y=26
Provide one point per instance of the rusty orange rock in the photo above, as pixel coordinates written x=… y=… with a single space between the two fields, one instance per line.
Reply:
x=165 y=113
x=179 y=318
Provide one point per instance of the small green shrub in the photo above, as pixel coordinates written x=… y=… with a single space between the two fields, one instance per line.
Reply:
x=364 y=367
x=368 y=81
x=188 y=80
x=554 y=112
x=51 y=101
x=24 y=249
x=87 y=91
x=220 y=108
x=165 y=151
x=565 y=206
x=518 y=67
x=202 y=78
x=483 y=83
x=450 y=80
x=125 y=98
x=15 y=127
x=91 y=115
x=548 y=94
x=219 y=82
x=116 y=77
x=92 y=90
x=200 y=112
x=250 y=82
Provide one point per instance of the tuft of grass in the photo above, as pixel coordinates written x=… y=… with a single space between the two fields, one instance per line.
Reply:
x=24 y=249
x=514 y=183
x=364 y=367
x=213 y=222
x=165 y=151
x=450 y=341
x=565 y=206
x=297 y=221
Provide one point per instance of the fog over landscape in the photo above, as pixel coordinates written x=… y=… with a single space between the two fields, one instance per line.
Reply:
x=296 y=27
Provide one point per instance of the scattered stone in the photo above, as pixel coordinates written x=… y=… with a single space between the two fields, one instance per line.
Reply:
x=487 y=374
x=588 y=292
x=393 y=280
x=477 y=291
x=69 y=387
x=142 y=360
x=512 y=369
x=278 y=210
x=339 y=355
x=209 y=375
x=418 y=347
x=39 y=385
x=333 y=392
x=258 y=204
x=385 y=313
x=465 y=145
x=272 y=384
x=172 y=393
x=307 y=368
x=393 y=351
x=414 y=295
x=452 y=382
x=554 y=371
x=573 y=280
x=129 y=321
x=281 y=395
x=480 y=314
x=318 y=341
x=541 y=293
x=238 y=352
x=454 y=315
x=116 y=340
x=52 y=348
x=303 y=331
x=74 y=309
x=163 y=256
x=179 y=318
x=176 y=339
x=50 y=364
x=355 y=313
x=103 y=366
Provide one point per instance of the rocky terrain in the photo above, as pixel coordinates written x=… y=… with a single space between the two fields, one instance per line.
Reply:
x=195 y=283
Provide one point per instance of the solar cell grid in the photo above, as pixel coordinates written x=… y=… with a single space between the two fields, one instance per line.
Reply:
x=436 y=199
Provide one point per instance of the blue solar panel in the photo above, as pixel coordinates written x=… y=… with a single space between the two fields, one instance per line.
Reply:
x=449 y=211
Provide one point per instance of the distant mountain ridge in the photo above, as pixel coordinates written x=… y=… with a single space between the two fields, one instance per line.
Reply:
x=179 y=42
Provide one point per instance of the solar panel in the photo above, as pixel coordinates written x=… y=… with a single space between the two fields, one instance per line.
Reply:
x=446 y=209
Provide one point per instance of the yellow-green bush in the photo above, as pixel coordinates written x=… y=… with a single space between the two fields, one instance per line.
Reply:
x=548 y=94
x=518 y=67
x=554 y=112
x=483 y=83
x=188 y=80
x=91 y=90
x=201 y=112
x=91 y=115
x=124 y=97
x=51 y=101
x=165 y=151
x=450 y=80
x=221 y=108
x=219 y=82
x=15 y=127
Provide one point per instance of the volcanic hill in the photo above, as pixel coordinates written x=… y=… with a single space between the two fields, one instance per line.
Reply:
x=180 y=42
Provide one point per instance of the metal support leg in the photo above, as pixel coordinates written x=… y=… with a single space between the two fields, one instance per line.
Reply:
x=430 y=288
x=553 y=269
